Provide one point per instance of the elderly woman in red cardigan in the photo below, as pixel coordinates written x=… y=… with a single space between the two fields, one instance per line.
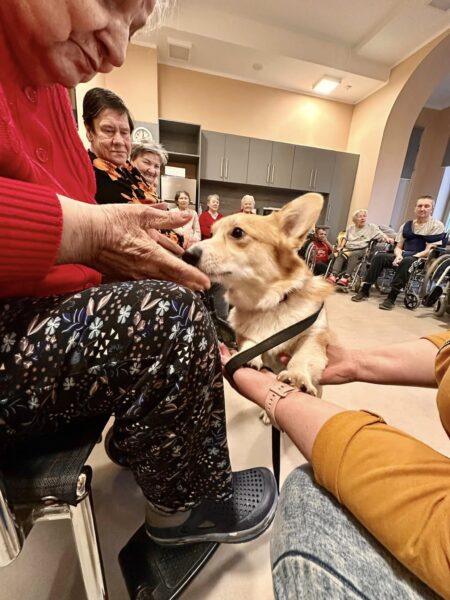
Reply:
x=72 y=346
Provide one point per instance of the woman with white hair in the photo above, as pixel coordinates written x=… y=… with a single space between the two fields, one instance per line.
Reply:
x=248 y=204
x=353 y=246
x=107 y=309
x=148 y=158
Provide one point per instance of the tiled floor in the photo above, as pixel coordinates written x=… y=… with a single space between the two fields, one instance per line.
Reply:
x=47 y=568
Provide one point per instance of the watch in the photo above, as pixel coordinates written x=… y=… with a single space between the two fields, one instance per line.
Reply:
x=277 y=391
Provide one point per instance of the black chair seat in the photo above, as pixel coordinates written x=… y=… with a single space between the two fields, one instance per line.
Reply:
x=153 y=572
x=50 y=464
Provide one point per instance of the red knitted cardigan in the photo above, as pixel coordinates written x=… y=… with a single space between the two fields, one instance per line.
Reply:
x=41 y=155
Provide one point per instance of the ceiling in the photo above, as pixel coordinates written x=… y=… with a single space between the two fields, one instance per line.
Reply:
x=291 y=44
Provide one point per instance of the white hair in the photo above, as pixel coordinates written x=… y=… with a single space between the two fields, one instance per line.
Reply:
x=160 y=12
x=246 y=198
x=358 y=212
x=152 y=147
x=212 y=197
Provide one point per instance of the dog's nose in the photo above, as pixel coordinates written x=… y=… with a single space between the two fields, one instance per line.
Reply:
x=192 y=256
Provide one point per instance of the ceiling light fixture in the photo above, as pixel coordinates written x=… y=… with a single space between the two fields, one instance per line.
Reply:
x=326 y=84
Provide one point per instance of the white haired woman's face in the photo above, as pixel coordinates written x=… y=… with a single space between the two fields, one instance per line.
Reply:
x=149 y=164
x=247 y=206
x=360 y=219
x=69 y=41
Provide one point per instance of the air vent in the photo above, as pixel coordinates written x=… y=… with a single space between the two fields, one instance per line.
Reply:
x=179 y=50
x=440 y=4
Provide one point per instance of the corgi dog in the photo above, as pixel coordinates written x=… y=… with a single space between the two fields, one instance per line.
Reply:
x=270 y=287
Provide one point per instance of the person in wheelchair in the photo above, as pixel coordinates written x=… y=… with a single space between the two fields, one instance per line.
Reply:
x=415 y=240
x=323 y=250
x=353 y=247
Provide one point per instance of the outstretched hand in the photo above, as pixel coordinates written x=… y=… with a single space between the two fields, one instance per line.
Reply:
x=341 y=367
x=123 y=242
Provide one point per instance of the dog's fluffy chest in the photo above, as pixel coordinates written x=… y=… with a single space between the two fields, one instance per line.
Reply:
x=256 y=326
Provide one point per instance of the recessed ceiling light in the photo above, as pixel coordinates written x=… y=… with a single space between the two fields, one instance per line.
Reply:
x=258 y=66
x=326 y=84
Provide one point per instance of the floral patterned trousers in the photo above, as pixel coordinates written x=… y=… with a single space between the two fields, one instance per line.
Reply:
x=143 y=351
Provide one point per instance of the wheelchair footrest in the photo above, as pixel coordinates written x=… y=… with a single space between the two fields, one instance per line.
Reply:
x=153 y=572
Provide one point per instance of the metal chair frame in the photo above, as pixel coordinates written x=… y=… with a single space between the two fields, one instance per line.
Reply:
x=16 y=524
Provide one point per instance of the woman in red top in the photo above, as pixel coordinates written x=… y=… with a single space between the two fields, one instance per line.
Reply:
x=210 y=216
x=142 y=348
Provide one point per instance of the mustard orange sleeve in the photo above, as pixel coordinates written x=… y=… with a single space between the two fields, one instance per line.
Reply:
x=395 y=485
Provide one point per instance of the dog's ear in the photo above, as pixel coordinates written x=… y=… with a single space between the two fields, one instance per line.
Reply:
x=297 y=217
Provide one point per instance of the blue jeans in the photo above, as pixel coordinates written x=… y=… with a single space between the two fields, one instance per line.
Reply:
x=319 y=551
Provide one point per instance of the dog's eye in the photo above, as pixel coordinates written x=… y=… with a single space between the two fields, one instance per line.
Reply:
x=237 y=233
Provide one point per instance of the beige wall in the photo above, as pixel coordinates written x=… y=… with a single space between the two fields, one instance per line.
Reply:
x=135 y=82
x=428 y=172
x=230 y=106
x=382 y=124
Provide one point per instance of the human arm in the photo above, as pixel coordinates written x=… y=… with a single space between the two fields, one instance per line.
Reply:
x=30 y=231
x=196 y=233
x=398 y=253
x=123 y=241
x=427 y=250
x=404 y=363
x=397 y=487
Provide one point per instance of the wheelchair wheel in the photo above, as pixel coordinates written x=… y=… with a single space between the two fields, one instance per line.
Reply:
x=356 y=285
x=436 y=273
x=411 y=301
x=112 y=451
x=440 y=308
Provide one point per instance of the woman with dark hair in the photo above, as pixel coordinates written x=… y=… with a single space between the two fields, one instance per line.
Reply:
x=190 y=232
x=109 y=127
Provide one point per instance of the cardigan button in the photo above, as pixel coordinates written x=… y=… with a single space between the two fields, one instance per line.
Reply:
x=31 y=94
x=41 y=155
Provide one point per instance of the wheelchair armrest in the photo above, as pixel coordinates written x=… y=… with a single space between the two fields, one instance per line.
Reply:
x=11 y=535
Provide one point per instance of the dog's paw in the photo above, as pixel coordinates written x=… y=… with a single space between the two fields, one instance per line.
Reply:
x=255 y=363
x=299 y=379
x=264 y=417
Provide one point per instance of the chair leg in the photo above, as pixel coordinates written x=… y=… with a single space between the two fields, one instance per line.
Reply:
x=88 y=549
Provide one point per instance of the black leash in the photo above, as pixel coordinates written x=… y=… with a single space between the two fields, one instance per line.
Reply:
x=274 y=340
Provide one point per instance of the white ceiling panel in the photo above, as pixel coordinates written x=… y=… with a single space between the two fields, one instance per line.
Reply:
x=298 y=41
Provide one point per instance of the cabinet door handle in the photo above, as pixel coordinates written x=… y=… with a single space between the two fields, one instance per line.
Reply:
x=315 y=178
x=221 y=168
x=273 y=173
x=311 y=178
x=226 y=168
x=268 y=173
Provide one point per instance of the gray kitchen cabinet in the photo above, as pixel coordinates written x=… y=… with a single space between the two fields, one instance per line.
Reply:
x=340 y=196
x=270 y=163
x=236 y=158
x=313 y=169
x=212 y=155
x=282 y=162
x=224 y=157
x=259 y=162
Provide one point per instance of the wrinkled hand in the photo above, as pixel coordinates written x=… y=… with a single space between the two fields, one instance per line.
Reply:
x=123 y=242
x=397 y=261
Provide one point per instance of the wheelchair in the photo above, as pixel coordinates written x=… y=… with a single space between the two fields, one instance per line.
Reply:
x=415 y=290
x=360 y=270
x=435 y=290
x=308 y=252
